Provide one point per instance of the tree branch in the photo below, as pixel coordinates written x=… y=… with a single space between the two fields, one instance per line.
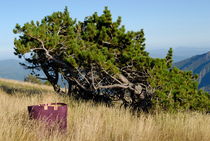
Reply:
x=82 y=76
x=113 y=86
x=42 y=45
x=112 y=76
x=79 y=84
x=92 y=78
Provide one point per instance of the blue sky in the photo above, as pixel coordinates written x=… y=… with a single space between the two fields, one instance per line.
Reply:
x=167 y=23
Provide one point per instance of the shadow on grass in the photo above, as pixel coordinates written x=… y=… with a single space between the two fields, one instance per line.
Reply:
x=23 y=90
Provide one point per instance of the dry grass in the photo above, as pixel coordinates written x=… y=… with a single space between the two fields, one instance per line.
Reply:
x=87 y=122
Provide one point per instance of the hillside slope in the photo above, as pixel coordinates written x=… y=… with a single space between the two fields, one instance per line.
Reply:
x=90 y=122
x=199 y=64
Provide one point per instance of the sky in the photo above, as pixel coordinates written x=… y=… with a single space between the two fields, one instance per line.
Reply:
x=166 y=23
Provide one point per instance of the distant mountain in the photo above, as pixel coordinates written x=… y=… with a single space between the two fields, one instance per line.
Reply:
x=199 y=64
x=11 y=69
x=179 y=53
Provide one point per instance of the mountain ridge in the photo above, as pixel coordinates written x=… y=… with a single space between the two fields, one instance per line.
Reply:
x=11 y=69
x=198 y=64
x=179 y=53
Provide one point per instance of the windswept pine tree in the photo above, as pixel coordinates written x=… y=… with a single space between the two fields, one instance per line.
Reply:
x=99 y=58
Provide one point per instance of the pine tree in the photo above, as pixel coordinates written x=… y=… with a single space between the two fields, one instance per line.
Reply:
x=99 y=58
x=169 y=57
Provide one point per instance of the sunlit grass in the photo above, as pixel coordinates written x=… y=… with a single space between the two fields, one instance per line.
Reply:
x=88 y=122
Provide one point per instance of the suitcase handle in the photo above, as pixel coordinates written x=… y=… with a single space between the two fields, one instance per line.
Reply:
x=55 y=106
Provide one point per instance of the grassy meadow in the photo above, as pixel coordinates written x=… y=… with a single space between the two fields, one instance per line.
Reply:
x=88 y=122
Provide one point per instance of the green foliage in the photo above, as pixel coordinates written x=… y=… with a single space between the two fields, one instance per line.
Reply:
x=169 y=57
x=32 y=79
x=177 y=90
x=99 y=57
x=47 y=83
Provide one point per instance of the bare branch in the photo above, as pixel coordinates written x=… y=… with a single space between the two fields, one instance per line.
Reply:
x=93 y=83
x=59 y=30
x=83 y=76
x=112 y=76
x=124 y=86
x=37 y=49
x=123 y=78
x=79 y=84
x=113 y=86
x=43 y=46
